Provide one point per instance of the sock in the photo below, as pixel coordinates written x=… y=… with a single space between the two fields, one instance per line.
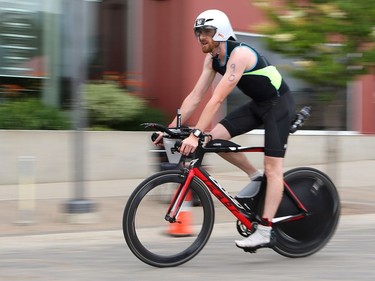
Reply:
x=266 y=222
x=255 y=175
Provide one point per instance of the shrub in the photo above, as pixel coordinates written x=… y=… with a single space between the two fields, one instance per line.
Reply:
x=110 y=107
x=31 y=114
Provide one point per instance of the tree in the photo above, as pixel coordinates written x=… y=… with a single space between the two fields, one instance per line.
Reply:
x=333 y=40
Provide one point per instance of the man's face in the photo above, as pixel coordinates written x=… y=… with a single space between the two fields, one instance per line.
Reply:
x=204 y=36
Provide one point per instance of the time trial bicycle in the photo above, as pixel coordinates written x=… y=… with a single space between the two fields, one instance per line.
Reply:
x=305 y=221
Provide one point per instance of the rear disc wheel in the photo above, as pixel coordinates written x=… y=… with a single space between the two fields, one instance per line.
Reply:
x=303 y=237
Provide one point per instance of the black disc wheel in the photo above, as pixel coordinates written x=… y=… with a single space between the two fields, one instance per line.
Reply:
x=303 y=237
x=156 y=241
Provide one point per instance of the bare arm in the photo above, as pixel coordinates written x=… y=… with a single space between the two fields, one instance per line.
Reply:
x=240 y=60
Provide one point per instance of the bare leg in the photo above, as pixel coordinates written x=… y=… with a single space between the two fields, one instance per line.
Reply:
x=273 y=168
x=238 y=159
x=262 y=236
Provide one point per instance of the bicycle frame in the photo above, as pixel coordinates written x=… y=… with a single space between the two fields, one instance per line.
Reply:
x=197 y=170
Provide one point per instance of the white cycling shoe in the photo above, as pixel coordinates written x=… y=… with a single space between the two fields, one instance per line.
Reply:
x=259 y=239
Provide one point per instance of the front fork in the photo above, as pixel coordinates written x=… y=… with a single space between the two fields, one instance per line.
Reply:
x=179 y=197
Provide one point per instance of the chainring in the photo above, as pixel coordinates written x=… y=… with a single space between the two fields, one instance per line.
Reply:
x=243 y=230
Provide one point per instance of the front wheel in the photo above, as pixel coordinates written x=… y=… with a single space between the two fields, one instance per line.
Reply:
x=303 y=237
x=156 y=241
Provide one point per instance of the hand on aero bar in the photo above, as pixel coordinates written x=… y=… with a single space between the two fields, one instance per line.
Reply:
x=189 y=145
x=157 y=138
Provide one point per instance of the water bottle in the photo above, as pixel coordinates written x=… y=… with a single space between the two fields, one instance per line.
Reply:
x=249 y=196
x=301 y=116
x=250 y=190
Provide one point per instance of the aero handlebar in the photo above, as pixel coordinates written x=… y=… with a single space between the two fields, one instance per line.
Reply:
x=181 y=132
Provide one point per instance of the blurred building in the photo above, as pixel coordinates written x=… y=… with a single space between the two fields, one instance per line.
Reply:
x=148 y=47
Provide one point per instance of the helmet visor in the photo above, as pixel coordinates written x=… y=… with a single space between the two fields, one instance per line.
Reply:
x=208 y=31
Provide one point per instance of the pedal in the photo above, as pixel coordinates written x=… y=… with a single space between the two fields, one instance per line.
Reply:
x=250 y=250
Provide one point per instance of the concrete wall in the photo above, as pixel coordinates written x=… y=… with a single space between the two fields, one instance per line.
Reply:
x=124 y=155
x=107 y=155
x=310 y=148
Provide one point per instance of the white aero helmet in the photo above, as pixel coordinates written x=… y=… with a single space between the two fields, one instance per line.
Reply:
x=215 y=19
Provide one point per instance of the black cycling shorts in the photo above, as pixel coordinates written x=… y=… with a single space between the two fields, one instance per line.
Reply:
x=275 y=114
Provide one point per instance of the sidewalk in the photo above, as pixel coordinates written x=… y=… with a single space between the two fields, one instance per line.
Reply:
x=355 y=182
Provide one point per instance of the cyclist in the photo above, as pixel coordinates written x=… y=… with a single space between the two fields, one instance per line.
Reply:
x=272 y=106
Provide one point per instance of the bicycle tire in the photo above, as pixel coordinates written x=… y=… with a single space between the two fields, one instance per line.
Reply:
x=146 y=231
x=304 y=237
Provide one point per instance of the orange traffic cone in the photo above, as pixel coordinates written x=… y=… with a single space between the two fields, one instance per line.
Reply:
x=182 y=227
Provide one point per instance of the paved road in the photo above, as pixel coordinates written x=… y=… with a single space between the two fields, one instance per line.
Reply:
x=50 y=249
x=103 y=255
x=355 y=186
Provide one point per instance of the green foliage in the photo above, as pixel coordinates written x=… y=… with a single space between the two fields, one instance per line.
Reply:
x=31 y=114
x=109 y=108
x=112 y=108
x=332 y=39
x=107 y=104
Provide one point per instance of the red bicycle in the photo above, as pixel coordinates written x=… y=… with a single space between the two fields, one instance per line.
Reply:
x=305 y=221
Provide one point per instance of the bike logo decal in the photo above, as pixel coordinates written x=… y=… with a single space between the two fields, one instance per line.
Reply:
x=316 y=187
x=193 y=162
x=221 y=198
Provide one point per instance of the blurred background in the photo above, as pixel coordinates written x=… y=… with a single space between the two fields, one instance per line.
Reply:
x=145 y=50
x=77 y=77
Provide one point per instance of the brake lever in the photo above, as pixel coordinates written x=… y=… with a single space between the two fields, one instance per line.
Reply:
x=177 y=146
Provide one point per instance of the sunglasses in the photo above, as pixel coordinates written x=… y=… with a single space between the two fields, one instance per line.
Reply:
x=205 y=31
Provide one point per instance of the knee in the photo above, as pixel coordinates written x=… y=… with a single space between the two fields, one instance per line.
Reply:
x=273 y=171
x=220 y=132
x=272 y=175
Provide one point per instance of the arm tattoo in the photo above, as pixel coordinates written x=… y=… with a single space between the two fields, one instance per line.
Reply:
x=232 y=70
